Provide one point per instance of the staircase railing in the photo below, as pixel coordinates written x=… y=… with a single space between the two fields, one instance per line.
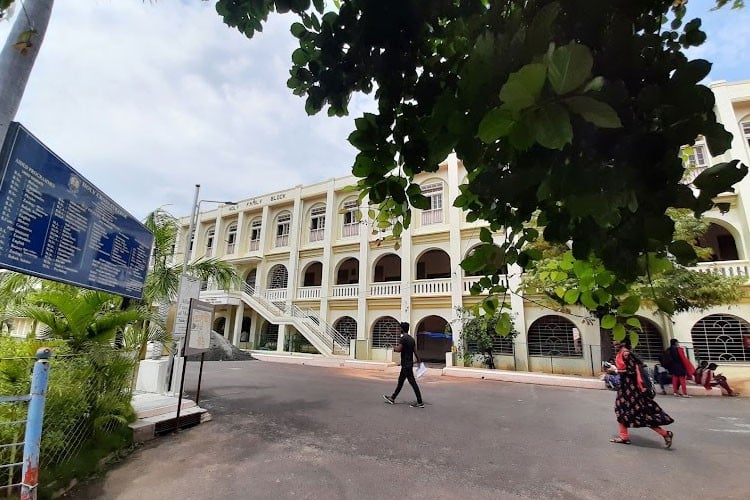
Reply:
x=323 y=331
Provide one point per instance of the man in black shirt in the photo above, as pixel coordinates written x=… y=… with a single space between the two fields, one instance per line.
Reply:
x=407 y=347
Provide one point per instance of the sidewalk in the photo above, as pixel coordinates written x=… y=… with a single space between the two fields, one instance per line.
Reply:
x=454 y=371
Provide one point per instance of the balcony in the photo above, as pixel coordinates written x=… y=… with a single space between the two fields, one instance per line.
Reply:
x=254 y=245
x=282 y=240
x=440 y=286
x=275 y=294
x=469 y=281
x=345 y=291
x=308 y=292
x=209 y=252
x=726 y=268
x=230 y=248
x=316 y=235
x=432 y=217
x=388 y=289
x=350 y=230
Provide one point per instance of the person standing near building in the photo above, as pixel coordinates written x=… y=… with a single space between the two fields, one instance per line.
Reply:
x=633 y=406
x=407 y=347
x=679 y=366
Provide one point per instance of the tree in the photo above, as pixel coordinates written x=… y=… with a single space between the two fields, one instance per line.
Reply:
x=569 y=112
x=18 y=55
x=481 y=330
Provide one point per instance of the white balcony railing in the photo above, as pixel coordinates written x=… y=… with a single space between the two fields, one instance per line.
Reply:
x=254 y=245
x=345 y=291
x=275 y=294
x=432 y=217
x=308 y=292
x=230 y=248
x=432 y=287
x=282 y=240
x=725 y=268
x=385 y=289
x=470 y=280
x=316 y=235
x=350 y=230
x=209 y=252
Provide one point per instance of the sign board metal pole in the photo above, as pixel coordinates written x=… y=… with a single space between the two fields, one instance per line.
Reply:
x=200 y=377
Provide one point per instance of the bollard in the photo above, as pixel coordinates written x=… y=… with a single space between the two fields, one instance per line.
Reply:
x=33 y=439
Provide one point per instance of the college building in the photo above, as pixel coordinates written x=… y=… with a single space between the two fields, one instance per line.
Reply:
x=318 y=278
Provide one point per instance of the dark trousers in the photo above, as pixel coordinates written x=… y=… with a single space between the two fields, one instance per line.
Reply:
x=407 y=374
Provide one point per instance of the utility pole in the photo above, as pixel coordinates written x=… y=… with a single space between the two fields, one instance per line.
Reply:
x=18 y=56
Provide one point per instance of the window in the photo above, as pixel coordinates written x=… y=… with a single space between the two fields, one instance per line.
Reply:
x=210 y=234
x=696 y=162
x=317 y=223
x=721 y=338
x=650 y=343
x=347 y=327
x=385 y=332
x=500 y=345
x=283 y=223
x=434 y=193
x=255 y=227
x=231 y=238
x=552 y=336
x=746 y=131
x=351 y=224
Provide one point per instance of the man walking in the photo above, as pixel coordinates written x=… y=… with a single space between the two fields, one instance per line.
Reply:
x=407 y=347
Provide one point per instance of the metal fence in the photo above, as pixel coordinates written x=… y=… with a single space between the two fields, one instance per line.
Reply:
x=88 y=399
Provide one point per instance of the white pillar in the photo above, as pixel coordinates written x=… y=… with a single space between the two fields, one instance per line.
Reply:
x=239 y=315
x=455 y=216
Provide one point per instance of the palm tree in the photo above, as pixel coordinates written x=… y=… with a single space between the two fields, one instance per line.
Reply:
x=163 y=279
x=82 y=317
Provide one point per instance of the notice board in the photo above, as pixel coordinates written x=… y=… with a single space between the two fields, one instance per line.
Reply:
x=57 y=225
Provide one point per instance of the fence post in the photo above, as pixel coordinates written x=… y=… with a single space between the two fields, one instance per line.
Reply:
x=33 y=439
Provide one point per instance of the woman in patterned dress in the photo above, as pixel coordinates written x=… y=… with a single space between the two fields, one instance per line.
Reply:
x=633 y=406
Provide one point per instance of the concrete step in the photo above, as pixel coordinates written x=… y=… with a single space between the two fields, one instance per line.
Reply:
x=150 y=404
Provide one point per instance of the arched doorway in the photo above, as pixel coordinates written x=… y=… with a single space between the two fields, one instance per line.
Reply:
x=433 y=264
x=250 y=280
x=348 y=272
x=553 y=336
x=245 y=331
x=346 y=326
x=269 y=337
x=313 y=274
x=721 y=242
x=650 y=342
x=434 y=339
x=387 y=268
x=278 y=277
x=219 y=324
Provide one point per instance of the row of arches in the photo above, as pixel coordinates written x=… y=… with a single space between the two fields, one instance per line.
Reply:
x=716 y=337
x=431 y=264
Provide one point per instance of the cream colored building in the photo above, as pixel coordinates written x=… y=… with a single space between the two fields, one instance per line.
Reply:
x=317 y=278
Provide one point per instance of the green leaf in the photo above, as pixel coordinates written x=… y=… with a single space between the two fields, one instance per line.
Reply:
x=594 y=85
x=608 y=321
x=571 y=296
x=587 y=299
x=503 y=325
x=683 y=252
x=496 y=124
x=605 y=278
x=634 y=322
x=300 y=57
x=523 y=87
x=599 y=113
x=665 y=305
x=569 y=67
x=629 y=306
x=298 y=29
x=618 y=332
x=485 y=235
x=634 y=338
x=560 y=291
x=551 y=126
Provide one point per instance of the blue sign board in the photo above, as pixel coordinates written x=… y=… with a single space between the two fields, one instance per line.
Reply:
x=56 y=225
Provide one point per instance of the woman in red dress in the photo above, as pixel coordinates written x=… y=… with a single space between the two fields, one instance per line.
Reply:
x=633 y=406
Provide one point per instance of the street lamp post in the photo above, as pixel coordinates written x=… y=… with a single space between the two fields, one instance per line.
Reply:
x=186 y=292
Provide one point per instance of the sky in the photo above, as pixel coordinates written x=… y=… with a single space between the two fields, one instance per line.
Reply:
x=147 y=99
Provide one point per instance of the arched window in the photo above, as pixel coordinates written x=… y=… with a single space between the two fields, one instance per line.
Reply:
x=210 y=235
x=721 y=337
x=552 y=335
x=434 y=193
x=278 y=276
x=351 y=224
x=255 y=227
x=650 y=341
x=385 y=332
x=346 y=326
x=283 y=227
x=746 y=131
x=231 y=237
x=348 y=272
x=251 y=279
x=317 y=223
x=313 y=274
x=721 y=242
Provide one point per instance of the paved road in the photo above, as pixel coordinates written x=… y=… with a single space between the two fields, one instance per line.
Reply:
x=288 y=431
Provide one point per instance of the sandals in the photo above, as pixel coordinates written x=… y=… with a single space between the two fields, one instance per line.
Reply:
x=668 y=439
x=620 y=440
